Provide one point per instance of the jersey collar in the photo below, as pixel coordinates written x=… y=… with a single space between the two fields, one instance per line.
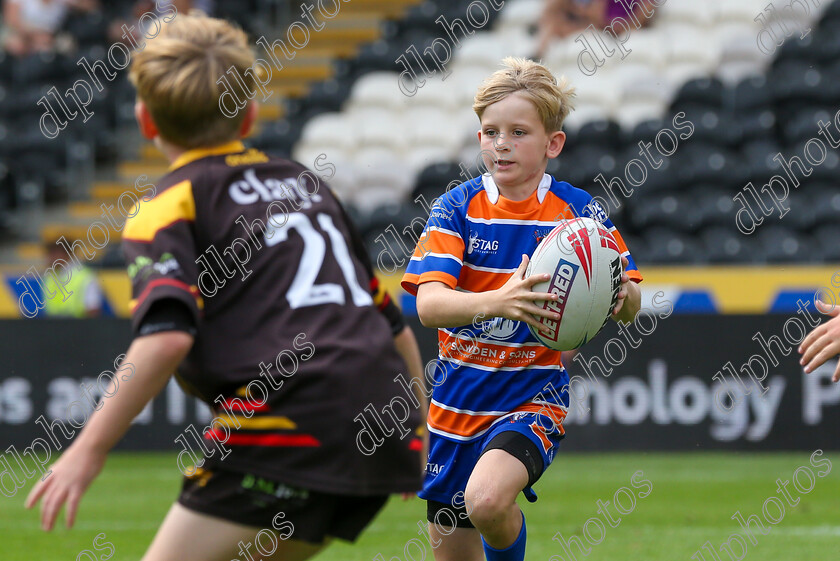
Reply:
x=492 y=189
x=198 y=153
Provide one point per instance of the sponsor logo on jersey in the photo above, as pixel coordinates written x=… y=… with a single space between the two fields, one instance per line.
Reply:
x=434 y=469
x=500 y=329
x=561 y=283
x=540 y=234
x=480 y=245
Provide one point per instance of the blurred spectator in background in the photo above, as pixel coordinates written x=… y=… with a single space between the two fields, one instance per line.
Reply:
x=86 y=298
x=140 y=7
x=564 y=17
x=29 y=26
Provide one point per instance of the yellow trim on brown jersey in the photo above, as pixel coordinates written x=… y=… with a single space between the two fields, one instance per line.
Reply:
x=171 y=205
x=258 y=423
x=198 y=153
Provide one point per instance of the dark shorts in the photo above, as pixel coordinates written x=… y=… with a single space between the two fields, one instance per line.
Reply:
x=518 y=444
x=292 y=512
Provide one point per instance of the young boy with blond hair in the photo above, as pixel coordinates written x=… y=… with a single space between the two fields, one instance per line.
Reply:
x=500 y=396
x=241 y=262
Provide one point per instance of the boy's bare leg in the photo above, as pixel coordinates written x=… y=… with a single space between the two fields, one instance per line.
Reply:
x=186 y=535
x=463 y=544
x=490 y=497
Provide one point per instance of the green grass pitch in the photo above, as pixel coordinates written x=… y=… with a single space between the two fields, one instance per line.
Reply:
x=693 y=497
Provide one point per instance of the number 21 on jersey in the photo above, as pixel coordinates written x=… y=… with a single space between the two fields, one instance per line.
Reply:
x=303 y=290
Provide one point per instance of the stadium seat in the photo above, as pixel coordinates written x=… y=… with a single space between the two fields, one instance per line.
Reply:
x=706 y=92
x=519 y=15
x=674 y=211
x=87 y=28
x=715 y=206
x=433 y=180
x=690 y=55
x=740 y=58
x=664 y=245
x=378 y=128
x=755 y=125
x=803 y=125
x=32 y=69
x=724 y=244
x=684 y=12
x=713 y=127
x=644 y=95
x=378 y=90
x=602 y=132
x=781 y=244
x=802 y=204
x=751 y=94
x=330 y=130
x=484 y=50
x=827 y=250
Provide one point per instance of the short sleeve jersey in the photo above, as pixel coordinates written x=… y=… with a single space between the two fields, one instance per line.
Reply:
x=293 y=335
x=473 y=242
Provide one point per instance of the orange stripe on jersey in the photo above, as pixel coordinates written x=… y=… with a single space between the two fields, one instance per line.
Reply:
x=553 y=208
x=481 y=281
x=490 y=355
x=439 y=242
x=469 y=424
x=410 y=281
x=173 y=205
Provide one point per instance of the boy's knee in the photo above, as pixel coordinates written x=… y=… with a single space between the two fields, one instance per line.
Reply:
x=484 y=506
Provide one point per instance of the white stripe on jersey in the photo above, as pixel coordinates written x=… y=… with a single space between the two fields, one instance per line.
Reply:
x=497 y=368
x=466 y=411
x=441 y=255
x=443 y=231
x=511 y=221
x=488 y=269
x=480 y=339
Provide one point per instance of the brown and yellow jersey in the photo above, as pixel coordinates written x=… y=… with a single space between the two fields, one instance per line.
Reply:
x=294 y=335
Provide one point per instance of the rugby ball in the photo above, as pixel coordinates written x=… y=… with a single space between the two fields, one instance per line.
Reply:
x=584 y=262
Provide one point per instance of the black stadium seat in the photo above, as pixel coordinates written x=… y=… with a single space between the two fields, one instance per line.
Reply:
x=724 y=244
x=749 y=95
x=714 y=207
x=781 y=244
x=699 y=95
x=602 y=132
x=433 y=180
x=674 y=211
x=663 y=245
x=827 y=250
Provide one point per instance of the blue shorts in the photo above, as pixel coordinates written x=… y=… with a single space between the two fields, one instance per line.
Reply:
x=451 y=463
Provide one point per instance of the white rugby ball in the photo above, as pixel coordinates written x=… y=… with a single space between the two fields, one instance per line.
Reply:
x=584 y=262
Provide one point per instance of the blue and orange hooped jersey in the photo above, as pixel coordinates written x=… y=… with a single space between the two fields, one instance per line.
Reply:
x=473 y=242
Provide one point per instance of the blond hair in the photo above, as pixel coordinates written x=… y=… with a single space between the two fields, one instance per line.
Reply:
x=552 y=100
x=176 y=77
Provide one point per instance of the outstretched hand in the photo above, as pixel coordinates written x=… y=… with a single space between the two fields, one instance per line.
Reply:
x=71 y=475
x=823 y=342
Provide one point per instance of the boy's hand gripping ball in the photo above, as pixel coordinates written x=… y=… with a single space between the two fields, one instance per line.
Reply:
x=584 y=262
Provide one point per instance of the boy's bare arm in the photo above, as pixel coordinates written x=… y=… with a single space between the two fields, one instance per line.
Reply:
x=629 y=298
x=440 y=306
x=148 y=364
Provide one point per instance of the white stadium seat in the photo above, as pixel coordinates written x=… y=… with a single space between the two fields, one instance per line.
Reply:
x=741 y=58
x=377 y=89
x=328 y=131
x=378 y=127
x=519 y=14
